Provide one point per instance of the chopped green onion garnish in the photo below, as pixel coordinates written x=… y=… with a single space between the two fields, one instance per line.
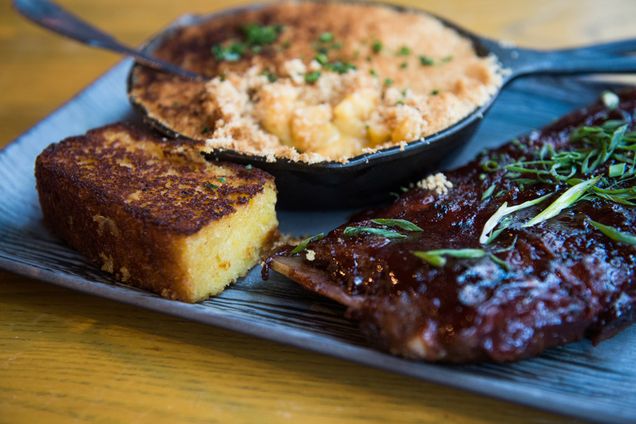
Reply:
x=488 y=191
x=616 y=170
x=259 y=35
x=390 y=234
x=340 y=67
x=564 y=201
x=210 y=186
x=399 y=223
x=303 y=244
x=504 y=210
x=271 y=77
x=404 y=51
x=490 y=165
x=388 y=82
x=437 y=257
x=231 y=53
x=503 y=264
x=376 y=46
x=312 y=77
x=614 y=234
x=426 y=61
x=322 y=58
x=326 y=37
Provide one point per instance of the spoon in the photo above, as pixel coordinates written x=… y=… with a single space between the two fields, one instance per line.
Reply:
x=53 y=17
x=366 y=178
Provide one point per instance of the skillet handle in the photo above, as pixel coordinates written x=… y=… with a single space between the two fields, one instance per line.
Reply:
x=603 y=58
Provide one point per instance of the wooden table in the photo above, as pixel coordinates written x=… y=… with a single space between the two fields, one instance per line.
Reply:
x=66 y=356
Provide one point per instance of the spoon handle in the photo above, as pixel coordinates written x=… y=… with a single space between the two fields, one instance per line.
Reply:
x=53 y=17
x=611 y=58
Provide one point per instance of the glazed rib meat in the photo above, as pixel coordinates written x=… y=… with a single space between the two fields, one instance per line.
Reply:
x=508 y=293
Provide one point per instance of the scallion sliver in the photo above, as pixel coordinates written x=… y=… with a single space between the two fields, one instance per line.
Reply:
x=504 y=210
x=402 y=224
x=567 y=199
x=303 y=244
x=614 y=234
x=437 y=257
x=381 y=232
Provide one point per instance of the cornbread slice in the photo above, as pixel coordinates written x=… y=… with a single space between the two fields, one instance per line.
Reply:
x=155 y=213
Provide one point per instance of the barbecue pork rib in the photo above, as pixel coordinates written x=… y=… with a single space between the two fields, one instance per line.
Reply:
x=525 y=290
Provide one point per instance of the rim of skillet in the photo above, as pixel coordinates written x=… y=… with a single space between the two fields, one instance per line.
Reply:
x=358 y=162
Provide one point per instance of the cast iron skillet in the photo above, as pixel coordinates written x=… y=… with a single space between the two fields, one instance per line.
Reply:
x=367 y=178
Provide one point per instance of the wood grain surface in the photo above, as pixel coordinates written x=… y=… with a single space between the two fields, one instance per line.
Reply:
x=65 y=356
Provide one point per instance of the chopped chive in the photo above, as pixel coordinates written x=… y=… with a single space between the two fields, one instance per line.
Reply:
x=404 y=51
x=426 y=61
x=434 y=92
x=388 y=82
x=488 y=192
x=399 y=223
x=231 y=53
x=271 y=77
x=502 y=264
x=616 y=170
x=490 y=165
x=614 y=234
x=447 y=59
x=389 y=234
x=373 y=72
x=431 y=258
x=322 y=58
x=325 y=37
x=376 y=46
x=205 y=130
x=221 y=179
x=340 y=67
x=303 y=244
x=565 y=200
x=259 y=35
x=210 y=186
x=312 y=77
x=404 y=65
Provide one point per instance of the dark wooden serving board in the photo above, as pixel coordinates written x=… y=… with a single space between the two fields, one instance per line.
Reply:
x=596 y=383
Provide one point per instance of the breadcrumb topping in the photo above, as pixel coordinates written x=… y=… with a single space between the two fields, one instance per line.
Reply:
x=435 y=182
x=310 y=255
x=352 y=99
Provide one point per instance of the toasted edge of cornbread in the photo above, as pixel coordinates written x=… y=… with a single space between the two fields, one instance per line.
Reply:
x=153 y=212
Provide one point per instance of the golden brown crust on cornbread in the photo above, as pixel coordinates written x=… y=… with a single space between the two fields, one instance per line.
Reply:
x=133 y=203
